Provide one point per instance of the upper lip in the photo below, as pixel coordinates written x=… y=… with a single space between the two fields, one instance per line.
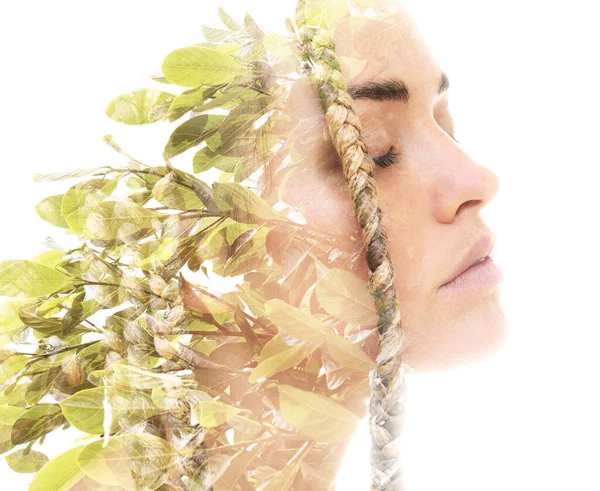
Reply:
x=482 y=248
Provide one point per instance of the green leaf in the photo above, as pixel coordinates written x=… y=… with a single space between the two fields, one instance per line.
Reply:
x=277 y=356
x=8 y=416
x=212 y=413
x=85 y=410
x=81 y=198
x=228 y=20
x=49 y=258
x=346 y=296
x=195 y=66
x=10 y=322
x=36 y=422
x=26 y=463
x=242 y=205
x=22 y=276
x=217 y=35
x=296 y=322
x=116 y=463
x=206 y=159
x=237 y=468
x=141 y=106
x=189 y=100
x=49 y=210
x=252 y=29
x=315 y=415
x=347 y=354
x=191 y=133
x=60 y=474
x=175 y=195
x=13 y=365
x=155 y=253
x=324 y=13
x=122 y=220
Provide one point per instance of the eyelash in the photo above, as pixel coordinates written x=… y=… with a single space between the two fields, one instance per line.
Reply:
x=388 y=159
x=392 y=157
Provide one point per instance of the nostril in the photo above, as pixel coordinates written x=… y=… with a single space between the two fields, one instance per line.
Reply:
x=466 y=204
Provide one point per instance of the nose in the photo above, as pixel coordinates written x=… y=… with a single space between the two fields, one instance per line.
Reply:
x=458 y=184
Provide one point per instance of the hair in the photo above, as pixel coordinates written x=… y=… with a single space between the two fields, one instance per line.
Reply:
x=387 y=381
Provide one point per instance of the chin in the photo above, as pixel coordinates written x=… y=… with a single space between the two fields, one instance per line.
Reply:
x=454 y=337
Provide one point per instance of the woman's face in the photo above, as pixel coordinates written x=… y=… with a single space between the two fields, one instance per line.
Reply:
x=431 y=196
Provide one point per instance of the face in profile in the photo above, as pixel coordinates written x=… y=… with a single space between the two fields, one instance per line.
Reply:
x=430 y=191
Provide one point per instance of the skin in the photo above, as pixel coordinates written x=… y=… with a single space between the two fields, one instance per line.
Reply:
x=431 y=200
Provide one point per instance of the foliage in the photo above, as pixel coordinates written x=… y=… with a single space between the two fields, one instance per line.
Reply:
x=178 y=386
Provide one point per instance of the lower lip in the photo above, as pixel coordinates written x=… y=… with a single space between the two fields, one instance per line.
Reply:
x=486 y=274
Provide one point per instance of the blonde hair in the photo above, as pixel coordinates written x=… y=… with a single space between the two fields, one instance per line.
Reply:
x=386 y=380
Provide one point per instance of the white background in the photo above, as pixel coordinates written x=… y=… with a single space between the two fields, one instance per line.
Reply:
x=524 y=95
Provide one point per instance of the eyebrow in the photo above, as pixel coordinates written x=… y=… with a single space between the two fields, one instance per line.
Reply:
x=392 y=89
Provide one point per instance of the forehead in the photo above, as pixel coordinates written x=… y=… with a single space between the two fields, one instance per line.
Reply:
x=385 y=47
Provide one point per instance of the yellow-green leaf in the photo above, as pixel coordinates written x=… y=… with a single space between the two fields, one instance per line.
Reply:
x=10 y=322
x=315 y=415
x=345 y=296
x=212 y=413
x=347 y=354
x=81 y=198
x=155 y=253
x=191 y=133
x=277 y=356
x=85 y=410
x=8 y=416
x=188 y=100
x=33 y=279
x=141 y=106
x=121 y=220
x=60 y=474
x=24 y=463
x=49 y=258
x=195 y=66
x=112 y=464
x=241 y=204
x=49 y=209
x=175 y=195
x=36 y=422
x=296 y=322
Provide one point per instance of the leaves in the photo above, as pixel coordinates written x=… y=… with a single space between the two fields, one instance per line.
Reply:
x=277 y=356
x=212 y=413
x=10 y=323
x=8 y=416
x=36 y=422
x=195 y=66
x=241 y=204
x=26 y=463
x=315 y=415
x=345 y=296
x=121 y=220
x=191 y=133
x=140 y=106
x=296 y=322
x=20 y=276
x=175 y=195
x=49 y=210
x=85 y=410
x=59 y=474
x=120 y=461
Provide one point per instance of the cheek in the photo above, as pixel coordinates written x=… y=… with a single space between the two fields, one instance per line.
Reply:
x=323 y=199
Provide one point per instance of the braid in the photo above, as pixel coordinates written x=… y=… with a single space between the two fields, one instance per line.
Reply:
x=386 y=380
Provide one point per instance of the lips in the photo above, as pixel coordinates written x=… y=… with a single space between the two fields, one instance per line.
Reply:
x=481 y=249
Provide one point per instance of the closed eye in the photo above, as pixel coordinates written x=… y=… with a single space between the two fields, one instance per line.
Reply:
x=392 y=157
